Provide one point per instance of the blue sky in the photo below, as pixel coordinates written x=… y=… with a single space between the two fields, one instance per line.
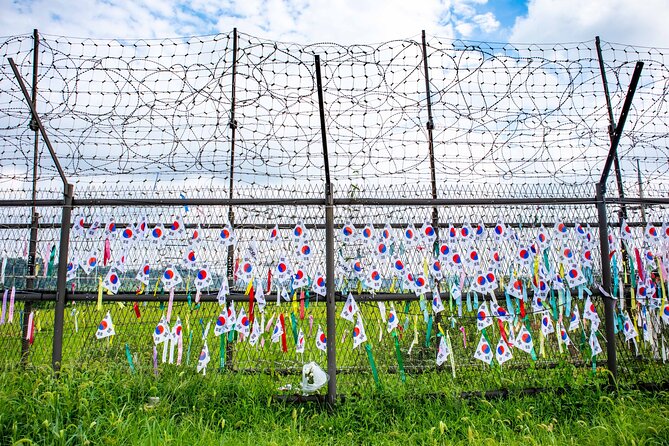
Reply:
x=348 y=21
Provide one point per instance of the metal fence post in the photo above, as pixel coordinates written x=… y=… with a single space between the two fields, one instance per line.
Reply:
x=68 y=196
x=229 y=347
x=34 y=221
x=59 y=316
x=329 y=251
x=430 y=137
x=609 y=303
x=331 y=309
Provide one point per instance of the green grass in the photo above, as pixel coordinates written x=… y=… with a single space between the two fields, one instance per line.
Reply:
x=559 y=368
x=98 y=401
x=109 y=406
x=81 y=347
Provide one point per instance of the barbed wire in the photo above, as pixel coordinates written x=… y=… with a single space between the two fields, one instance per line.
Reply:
x=154 y=116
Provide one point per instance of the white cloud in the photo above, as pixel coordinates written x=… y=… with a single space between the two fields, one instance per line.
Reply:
x=305 y=21
x=465 y=29
x=342 y=21
x=620 y=21
x=487 y=22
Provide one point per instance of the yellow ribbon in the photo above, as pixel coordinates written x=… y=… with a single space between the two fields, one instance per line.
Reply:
x=542 y=350
x=625 y=273
x=415 y=333
x=294 y=304
x=248 y=287
x=155 y=290
x=99 y=305
x=452 y=355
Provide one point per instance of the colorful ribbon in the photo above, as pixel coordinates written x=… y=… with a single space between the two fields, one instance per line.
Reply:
x=372 y=364
x=129 y=357
x=398 y=353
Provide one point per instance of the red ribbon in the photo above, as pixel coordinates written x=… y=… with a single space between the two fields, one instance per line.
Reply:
x=302 y=305
x=639 y=265
x=136 y=308
x=522 y=309
x=32 y=333
x=107 y=253
x=284 y=346
x=500 y=324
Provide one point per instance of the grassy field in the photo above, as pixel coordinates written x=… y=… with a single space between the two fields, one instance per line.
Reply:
x=80 y=347
x=98 y=401
x=109 y=406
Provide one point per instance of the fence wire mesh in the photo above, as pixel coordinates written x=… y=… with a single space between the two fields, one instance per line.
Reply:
x=145 y=129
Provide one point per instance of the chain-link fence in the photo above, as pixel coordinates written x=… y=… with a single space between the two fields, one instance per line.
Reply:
x=421 y=217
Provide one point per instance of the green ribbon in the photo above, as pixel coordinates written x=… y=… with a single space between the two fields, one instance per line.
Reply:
x=129 y=356
x=190 y=342
x=429 y=331
x=372 y=364
x=398 y=353
x=52 y=260
x=407 y=307
x=614 y=276
x=554 y=306
x=484 y=332
x=619 y=324
x=222 y=353
x=632 y=273
x=293 y=320
x=422 y=302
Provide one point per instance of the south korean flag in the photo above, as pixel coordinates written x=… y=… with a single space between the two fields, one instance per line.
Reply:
x=106 y=327
x=203 y=359
x=443 y=352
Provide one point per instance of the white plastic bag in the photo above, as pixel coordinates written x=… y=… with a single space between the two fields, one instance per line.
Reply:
x=313 y=377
